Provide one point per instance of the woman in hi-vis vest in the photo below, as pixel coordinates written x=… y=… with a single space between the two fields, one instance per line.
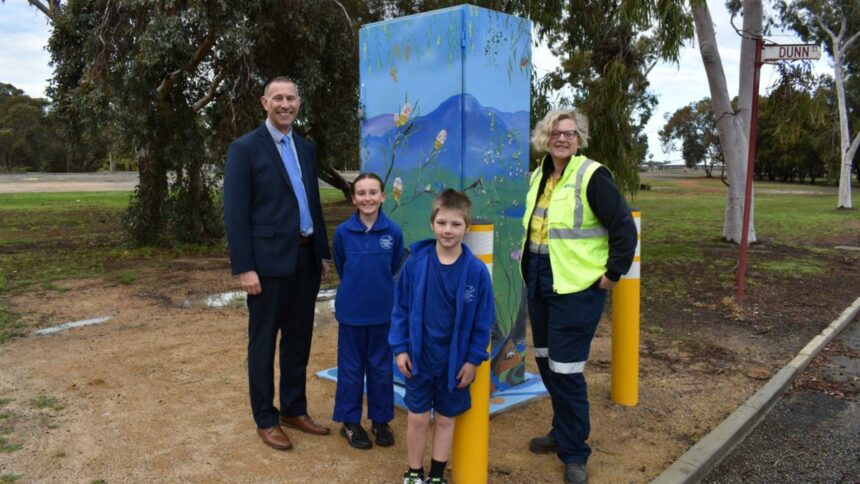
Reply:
x=580 y=238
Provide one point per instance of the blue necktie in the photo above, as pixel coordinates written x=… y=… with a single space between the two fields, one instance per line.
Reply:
x=306 y=223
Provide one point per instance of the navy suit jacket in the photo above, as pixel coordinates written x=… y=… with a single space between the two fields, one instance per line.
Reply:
x=261 y=212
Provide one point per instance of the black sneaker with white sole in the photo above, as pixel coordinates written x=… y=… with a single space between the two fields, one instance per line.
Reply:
x=356 y=436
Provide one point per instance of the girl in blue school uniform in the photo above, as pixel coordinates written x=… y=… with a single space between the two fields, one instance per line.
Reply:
x=368 y=251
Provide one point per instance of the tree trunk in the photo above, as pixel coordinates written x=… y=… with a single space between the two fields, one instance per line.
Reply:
x=733 y=140
x=331 y=176
x=194 y=230
x=146 y=222
x=846 y=148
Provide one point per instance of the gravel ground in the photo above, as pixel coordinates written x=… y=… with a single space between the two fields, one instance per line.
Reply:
x=813 y=432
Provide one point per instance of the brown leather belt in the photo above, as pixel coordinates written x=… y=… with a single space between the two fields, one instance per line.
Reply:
x=306 y=239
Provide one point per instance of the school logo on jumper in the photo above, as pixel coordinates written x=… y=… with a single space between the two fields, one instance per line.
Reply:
x=386 y=242
x=469 y=293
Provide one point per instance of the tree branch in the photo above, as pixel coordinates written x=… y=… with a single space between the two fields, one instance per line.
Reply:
x=833 y=37
x=199 y=55
x=851 y=40
x=49 y=10
x=210 y=93
x=852 y=150
x=346 y=14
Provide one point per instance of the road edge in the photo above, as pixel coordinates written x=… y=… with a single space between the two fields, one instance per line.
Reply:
x=701 y=459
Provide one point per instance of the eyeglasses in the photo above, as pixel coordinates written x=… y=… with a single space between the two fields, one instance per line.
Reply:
x=567 y=134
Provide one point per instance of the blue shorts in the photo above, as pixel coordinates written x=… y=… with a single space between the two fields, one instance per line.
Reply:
x=425 y=392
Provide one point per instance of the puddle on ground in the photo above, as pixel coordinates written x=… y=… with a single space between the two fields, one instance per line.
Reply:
x=236 y=299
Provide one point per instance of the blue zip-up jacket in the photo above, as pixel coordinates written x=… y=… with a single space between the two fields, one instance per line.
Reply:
x=474 y=311
x=366 y=260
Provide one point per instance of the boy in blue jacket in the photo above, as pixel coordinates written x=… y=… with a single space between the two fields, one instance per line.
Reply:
x=440 y=329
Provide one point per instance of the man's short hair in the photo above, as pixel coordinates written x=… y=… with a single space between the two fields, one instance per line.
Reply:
x=451 y=199
x=286 y=79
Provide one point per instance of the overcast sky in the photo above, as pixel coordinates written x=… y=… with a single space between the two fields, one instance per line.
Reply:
x=24 y=63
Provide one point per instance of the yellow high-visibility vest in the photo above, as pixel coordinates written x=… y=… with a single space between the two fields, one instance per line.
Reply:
x=578 y=243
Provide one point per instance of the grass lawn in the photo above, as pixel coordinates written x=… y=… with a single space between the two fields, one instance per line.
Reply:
x=45 y=237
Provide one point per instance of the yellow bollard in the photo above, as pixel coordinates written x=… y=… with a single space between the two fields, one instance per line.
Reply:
x=624 y=386
x=470 y=454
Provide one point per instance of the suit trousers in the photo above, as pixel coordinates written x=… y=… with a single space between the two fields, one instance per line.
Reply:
x=285 y=305
x=563 y=326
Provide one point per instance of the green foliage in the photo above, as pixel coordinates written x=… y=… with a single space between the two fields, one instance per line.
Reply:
x=32 y=136
x=126 y=277
x=11 y=325
x=607 y=50
x=833 y=24
x=695 y=126
x=797 y=136
x=7 y=447
x=9 y=477
x=46 y=402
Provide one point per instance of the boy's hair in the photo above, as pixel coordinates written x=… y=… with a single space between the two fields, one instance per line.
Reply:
x=365 y=176
x=451 y=199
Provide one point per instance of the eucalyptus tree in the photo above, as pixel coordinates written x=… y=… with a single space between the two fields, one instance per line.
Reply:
x=607 y=49
x=695 y=128
x=797 y=134
x=179 y=80
x=836 y=24
x=732 y=124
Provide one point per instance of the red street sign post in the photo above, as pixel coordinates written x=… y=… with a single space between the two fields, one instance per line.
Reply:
x=763 y=54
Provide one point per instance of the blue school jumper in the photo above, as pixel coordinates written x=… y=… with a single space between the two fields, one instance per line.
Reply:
x=366 y=260
x=474 y=312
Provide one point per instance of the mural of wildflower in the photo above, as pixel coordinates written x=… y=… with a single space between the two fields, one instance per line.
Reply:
x=445 y=96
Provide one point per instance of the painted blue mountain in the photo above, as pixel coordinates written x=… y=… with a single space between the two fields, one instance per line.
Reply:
x=493 y=143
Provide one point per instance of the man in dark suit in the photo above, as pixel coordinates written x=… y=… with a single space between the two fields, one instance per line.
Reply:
x=278 y=252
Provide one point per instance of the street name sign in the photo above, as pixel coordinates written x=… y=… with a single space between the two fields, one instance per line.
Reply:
x=786 y=52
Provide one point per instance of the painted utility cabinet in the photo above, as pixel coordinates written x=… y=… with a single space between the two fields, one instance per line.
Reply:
x=445 y=104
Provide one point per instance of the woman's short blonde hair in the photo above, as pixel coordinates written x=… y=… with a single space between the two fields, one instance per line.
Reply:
x=541 y=133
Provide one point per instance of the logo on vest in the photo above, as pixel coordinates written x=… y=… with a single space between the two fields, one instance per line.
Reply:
x=386 y=242
x=469 y=293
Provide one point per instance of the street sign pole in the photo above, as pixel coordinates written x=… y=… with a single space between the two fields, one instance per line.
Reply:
x=763 y=54
x=745 y=237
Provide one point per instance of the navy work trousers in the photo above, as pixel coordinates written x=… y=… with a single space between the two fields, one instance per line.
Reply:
x=563 y=326
x=285 y=305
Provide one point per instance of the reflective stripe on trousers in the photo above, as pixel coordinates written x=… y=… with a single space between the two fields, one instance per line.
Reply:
x=563 y=326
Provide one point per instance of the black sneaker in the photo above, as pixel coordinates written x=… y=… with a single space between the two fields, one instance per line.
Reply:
x=383 y=433
x=436 y=480
x=412 y=477
x=356 y=436
x=544 y=444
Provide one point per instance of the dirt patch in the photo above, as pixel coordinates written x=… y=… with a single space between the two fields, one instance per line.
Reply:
x=160 y=390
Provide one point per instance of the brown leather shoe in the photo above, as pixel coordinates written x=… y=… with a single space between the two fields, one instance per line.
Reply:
x=275 y=438
x=305 y=424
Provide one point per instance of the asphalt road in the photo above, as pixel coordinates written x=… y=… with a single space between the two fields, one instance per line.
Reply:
x=124 y=181
x=813 y=432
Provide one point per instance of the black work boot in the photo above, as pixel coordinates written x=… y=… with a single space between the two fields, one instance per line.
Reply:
x=545 y=444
